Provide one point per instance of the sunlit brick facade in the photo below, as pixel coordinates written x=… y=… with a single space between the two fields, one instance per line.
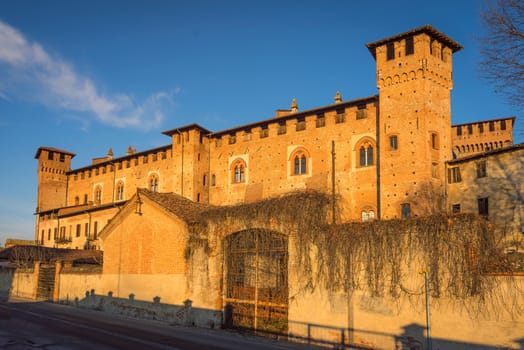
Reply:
x=375 y=154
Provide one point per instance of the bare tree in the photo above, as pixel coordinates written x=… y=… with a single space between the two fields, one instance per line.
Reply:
x=503 y=48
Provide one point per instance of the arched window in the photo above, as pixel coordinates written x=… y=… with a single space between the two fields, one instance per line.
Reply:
x=367 y=215
x=299 y=160
x=153 y=183
x=238 y=171
x=300 y=164
x=120 y=191
x=366 y=155
x=98 y=194
x=364 y=150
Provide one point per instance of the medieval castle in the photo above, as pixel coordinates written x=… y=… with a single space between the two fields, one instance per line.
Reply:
x=377 y=153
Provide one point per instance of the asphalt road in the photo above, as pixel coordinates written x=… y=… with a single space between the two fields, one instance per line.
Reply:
x=39 y=325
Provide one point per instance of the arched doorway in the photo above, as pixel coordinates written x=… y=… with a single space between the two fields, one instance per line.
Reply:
x=256 y=293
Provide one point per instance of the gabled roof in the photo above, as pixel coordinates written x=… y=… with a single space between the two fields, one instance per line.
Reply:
x=184 y=208
x=427 y=29
x=52 y=149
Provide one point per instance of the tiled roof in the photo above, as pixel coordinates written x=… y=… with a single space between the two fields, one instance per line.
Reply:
x=39 y=253
x=182 y=207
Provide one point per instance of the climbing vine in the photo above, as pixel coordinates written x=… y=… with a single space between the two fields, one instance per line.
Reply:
x=457 y=253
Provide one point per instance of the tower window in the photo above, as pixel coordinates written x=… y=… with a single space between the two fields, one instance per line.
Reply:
x=62 y=157
x=390 y=51
x=393 y=143
x=481 y=128
x=459 y=130
x=502 y=125
x=434 y=170
x=434 y=141
x=491 y=126
x=50 y=155
x=410 y=49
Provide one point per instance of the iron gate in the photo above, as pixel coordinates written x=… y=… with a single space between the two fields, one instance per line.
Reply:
x=256 y=281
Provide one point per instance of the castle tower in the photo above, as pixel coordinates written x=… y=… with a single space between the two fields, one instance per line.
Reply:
x=414 y=78
x=53 y=164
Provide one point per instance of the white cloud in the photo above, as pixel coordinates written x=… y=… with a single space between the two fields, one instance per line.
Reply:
x=30 y=72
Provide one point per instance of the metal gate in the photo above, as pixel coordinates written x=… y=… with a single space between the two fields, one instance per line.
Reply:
x=256 y=281
x=46 y=282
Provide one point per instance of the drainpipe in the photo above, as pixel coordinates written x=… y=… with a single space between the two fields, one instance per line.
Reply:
x=377 y=143
x=333 y=180
x=209 y=170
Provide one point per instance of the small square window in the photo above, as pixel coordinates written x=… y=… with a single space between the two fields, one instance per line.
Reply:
x=409 y=46
x=281 y=128
x=390 y=51
x=340 y=117
x=301 y=124
x=455 y=208
x=362 y=112
x=264 y=131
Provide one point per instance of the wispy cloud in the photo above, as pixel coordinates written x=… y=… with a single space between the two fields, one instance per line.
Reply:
x=30 y=72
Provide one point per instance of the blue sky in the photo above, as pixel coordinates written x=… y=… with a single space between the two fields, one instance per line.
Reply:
x=85 y=76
